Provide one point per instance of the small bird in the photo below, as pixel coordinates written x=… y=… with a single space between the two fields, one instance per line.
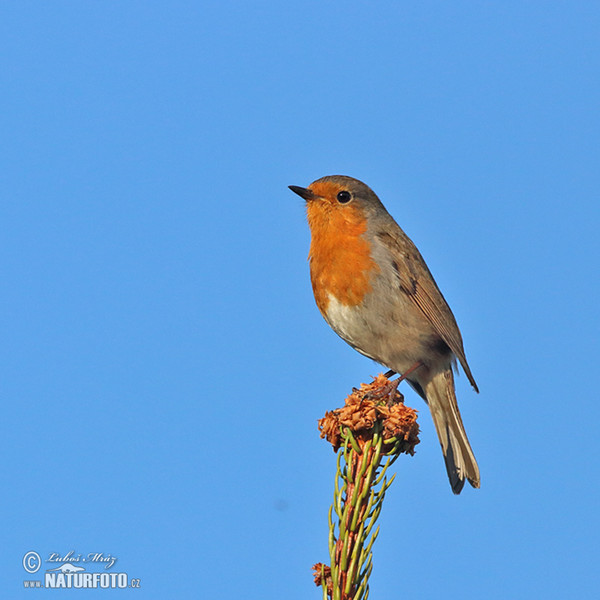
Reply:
x=374 y=289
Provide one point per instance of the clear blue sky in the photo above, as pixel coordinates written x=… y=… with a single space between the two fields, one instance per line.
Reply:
x=163 y=363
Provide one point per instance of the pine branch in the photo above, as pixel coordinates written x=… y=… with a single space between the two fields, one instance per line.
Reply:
x=369 y=433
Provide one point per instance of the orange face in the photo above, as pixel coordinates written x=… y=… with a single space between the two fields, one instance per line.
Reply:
x=341 y=264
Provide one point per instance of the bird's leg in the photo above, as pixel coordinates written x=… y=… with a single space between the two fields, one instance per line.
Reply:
x=381 y=392
x=393 y=387
x=409 y=371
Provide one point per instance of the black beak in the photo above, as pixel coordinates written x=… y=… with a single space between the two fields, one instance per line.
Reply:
x=302 y=192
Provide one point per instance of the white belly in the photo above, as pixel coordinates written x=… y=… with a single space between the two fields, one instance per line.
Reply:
x=388 y=335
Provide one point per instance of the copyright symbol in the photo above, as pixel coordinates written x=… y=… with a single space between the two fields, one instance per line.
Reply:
x=32 y=562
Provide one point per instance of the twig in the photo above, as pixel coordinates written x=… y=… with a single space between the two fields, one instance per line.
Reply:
x=371 y=430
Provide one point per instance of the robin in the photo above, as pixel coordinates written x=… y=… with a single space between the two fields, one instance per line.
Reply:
x=374 y=289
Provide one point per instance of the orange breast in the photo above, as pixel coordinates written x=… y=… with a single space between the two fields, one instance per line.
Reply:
x=341 y=264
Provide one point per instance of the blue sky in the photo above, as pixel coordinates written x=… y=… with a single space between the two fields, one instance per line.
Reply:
x=163 y=362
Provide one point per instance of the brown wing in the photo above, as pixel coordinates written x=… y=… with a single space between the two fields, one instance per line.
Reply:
x=417 y=282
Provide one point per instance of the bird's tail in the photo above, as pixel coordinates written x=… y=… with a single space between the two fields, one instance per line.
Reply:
x=459 y=457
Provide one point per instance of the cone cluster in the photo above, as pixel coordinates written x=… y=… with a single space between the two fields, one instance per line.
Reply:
x=376 y=401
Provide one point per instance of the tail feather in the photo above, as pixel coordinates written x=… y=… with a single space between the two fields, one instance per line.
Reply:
x=459 y=457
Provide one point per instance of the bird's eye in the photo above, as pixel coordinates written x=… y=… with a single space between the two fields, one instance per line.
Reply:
x=343 y=197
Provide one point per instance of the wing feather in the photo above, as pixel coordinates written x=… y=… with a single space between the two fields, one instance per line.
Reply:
x=417 y=282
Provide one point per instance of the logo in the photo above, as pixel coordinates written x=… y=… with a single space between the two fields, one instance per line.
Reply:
x=66 y=568
x=76 y=571
x=32 y=562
